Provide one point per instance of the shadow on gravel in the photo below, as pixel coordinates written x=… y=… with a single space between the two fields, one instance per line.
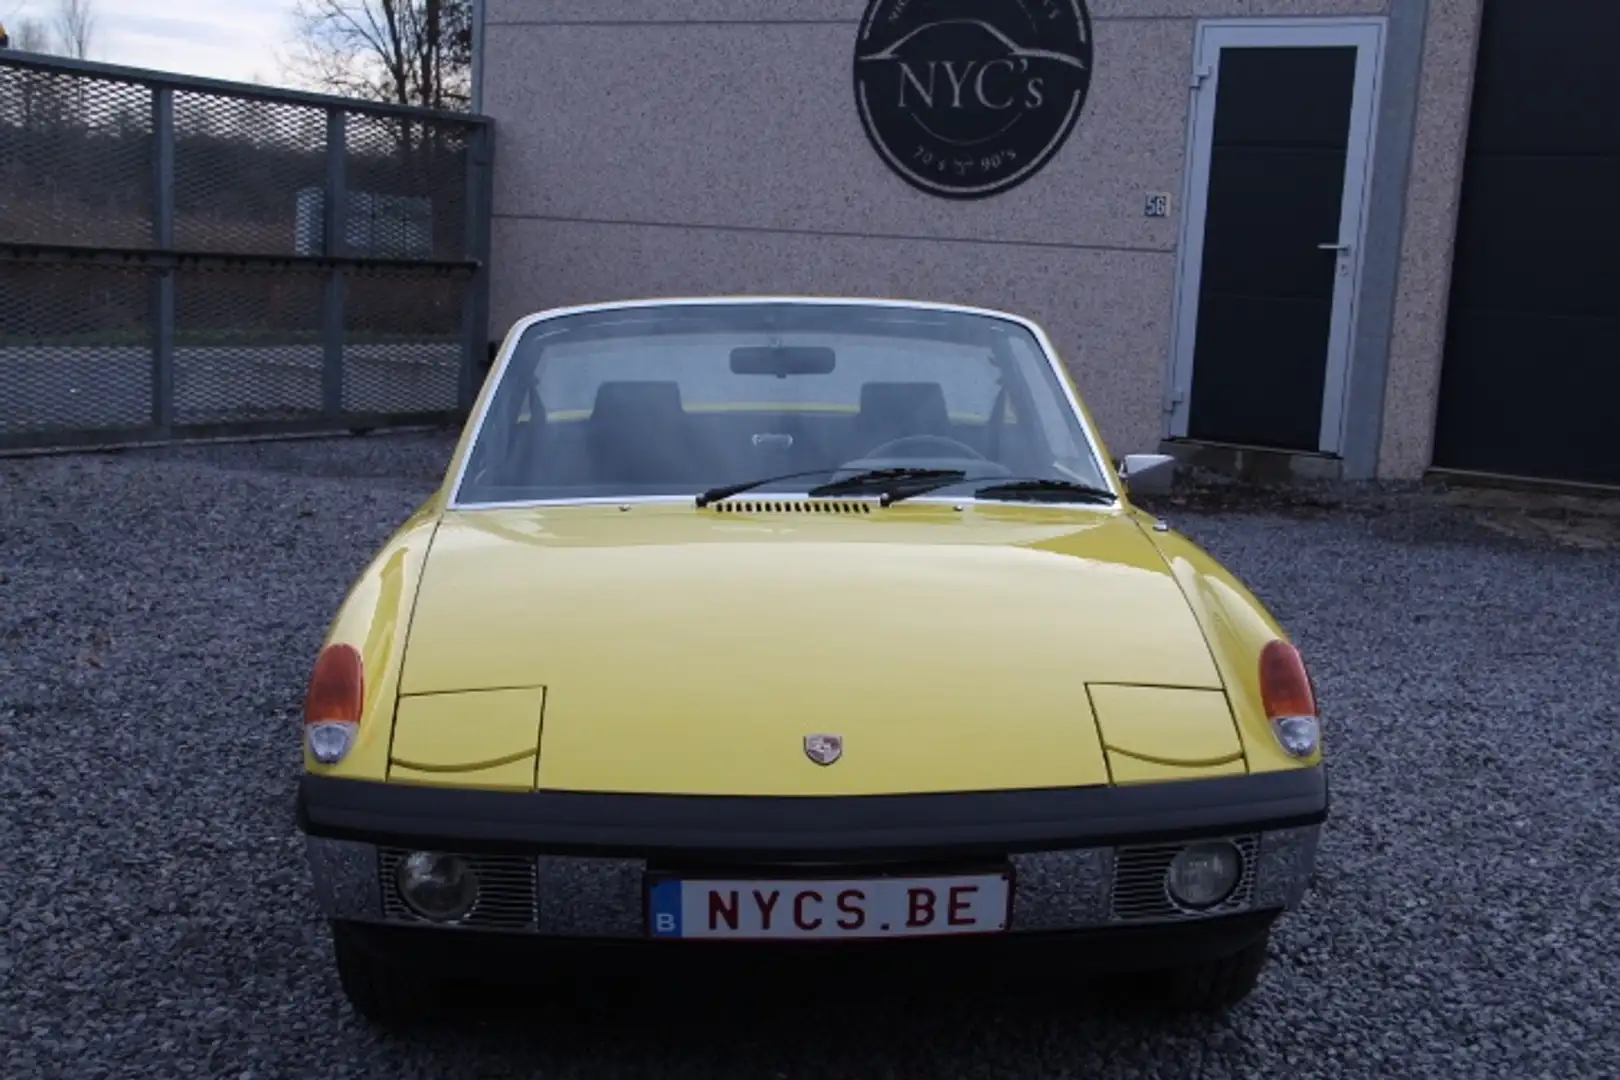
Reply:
x=843 y=1024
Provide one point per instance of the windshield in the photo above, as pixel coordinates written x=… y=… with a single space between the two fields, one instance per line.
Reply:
x=674 y=400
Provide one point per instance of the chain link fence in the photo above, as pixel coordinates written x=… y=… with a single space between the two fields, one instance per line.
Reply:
x=186 y=258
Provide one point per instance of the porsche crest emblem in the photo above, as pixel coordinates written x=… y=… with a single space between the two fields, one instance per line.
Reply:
x=823 y=749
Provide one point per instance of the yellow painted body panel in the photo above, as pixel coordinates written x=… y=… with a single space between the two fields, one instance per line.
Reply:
x=1128 y=770
x=691 y=651
x=374 y=617
x=673 y=730
x=515 y=775
x=479 y=739
x=554 y=595
x=1237 y=627
x=1172 y=726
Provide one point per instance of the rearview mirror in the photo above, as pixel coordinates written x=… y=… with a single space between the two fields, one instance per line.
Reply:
x=783 y=360
x=1148 y=473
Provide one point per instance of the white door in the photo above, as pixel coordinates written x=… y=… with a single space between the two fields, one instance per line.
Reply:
x=1280 y=152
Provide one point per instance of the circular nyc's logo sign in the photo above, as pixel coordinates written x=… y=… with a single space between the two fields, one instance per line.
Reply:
x=969 y=98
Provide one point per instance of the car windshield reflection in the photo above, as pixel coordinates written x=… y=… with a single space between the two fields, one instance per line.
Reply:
x=679 y=399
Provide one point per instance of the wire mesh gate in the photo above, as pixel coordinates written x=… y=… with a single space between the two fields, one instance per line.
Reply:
x=185 y=258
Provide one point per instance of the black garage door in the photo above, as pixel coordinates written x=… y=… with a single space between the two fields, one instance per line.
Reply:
x=1531 y=383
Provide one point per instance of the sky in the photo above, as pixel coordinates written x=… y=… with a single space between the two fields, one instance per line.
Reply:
x=223 y=39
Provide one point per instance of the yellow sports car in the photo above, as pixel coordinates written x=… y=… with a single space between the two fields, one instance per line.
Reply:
x=812 y=622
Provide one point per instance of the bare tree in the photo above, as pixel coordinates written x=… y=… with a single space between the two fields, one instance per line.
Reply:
x=413 y=52
x=75 y=26
x=31 y=36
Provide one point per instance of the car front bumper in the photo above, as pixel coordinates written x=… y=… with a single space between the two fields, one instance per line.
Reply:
x=571 y=869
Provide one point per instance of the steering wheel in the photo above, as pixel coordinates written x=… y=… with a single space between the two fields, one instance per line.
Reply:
x=936 y=441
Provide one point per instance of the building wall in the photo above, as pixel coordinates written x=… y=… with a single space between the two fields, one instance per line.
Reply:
x=644 y=153
x=1417 y=340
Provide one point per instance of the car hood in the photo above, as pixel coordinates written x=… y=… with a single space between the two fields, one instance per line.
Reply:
x=676 y=649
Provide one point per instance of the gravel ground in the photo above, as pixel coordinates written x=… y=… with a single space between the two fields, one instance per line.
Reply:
x=158 y=612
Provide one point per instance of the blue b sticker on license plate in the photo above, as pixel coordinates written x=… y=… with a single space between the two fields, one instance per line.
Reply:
x=871 y=908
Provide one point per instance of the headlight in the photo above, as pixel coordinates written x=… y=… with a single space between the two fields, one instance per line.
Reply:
x=1204 y=874
x=442 y=888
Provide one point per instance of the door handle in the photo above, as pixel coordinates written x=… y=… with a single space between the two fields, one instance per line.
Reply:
x=1332 y=247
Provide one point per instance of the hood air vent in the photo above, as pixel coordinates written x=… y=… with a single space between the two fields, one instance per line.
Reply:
x=790 y=506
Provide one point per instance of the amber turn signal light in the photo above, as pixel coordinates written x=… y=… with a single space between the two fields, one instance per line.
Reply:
x=336 y=687
x=1285 y=688
x=1289 y=700
x=333 y=703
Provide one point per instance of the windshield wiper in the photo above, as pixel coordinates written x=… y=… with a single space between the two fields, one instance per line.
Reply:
x=891 y=484
x=726 y=491
x=895 y=484
x=1045 y=488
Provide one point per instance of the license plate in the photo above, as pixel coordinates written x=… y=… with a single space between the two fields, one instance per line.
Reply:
x=830 y=909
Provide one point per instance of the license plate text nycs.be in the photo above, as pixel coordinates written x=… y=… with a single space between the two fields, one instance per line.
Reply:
x=882 y=907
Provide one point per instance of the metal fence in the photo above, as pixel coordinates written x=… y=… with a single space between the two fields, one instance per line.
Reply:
x=184 y=258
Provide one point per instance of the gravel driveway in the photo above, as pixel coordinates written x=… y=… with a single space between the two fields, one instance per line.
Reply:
x=158 y=612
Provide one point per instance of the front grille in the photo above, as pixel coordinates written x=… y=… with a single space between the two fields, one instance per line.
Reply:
x=790 y=506
x=508 y=893
x=1139 y=893
x=507 y=897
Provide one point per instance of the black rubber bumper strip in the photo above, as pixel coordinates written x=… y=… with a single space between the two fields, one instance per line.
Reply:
x=955 y=825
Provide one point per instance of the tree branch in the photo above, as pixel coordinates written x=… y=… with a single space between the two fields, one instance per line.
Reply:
x=414 y=52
